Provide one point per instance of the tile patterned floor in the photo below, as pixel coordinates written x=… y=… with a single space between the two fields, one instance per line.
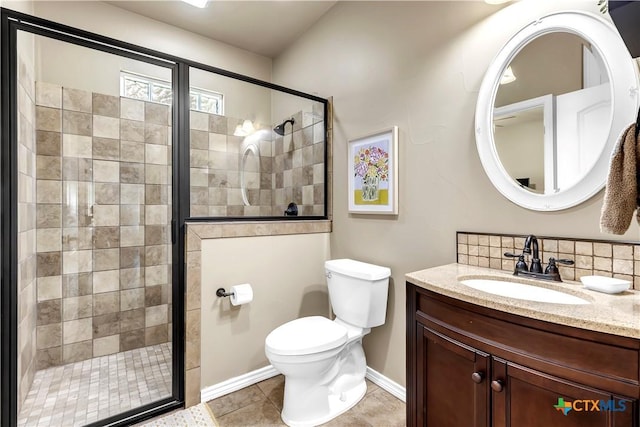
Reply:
x=259 y=405
x=83 y=392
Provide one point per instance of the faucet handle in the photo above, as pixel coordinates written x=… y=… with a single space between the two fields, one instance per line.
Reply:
x=521 y=265
x=552 y=268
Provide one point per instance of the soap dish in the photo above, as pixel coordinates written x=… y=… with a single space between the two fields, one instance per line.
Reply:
x=607 y=285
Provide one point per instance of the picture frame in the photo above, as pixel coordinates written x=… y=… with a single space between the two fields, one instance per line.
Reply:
x=373 y=173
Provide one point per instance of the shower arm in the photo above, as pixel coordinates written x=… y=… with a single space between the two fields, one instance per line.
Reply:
x=279 y=129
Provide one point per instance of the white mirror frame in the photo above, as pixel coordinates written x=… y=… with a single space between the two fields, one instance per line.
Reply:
x=605 y=39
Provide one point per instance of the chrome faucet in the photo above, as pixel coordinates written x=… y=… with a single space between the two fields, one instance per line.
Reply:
x=551 y=272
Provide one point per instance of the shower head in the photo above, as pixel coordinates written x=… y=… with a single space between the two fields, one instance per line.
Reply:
x=280 y=128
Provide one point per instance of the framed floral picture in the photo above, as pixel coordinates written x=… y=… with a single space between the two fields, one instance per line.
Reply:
x=373 y=173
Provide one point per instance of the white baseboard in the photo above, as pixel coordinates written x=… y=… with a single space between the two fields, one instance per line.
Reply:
x=254 y=377
x=237 y=383
x=387 y=384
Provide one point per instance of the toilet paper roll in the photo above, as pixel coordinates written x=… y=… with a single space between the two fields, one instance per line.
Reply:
x=241 y=294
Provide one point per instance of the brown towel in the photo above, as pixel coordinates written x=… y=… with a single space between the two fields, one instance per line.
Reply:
x=621 y=194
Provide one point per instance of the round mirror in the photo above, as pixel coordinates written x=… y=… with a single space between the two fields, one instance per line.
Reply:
x=551 y=107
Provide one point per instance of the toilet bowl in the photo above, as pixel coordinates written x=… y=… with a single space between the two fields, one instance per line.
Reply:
x=322 y=360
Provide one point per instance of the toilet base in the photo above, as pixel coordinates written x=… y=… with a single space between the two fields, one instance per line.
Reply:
x=336 y=407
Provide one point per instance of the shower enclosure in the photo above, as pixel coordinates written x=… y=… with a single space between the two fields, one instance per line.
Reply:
x=245 y=163
x=108 y=149
x=88 y=191
x=102 y=244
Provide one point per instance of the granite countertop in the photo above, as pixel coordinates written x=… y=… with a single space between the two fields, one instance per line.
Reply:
x=613 y=314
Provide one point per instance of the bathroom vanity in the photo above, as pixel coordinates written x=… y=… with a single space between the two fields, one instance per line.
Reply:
x=478 y=359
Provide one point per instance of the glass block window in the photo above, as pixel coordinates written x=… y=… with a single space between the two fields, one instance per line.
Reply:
x=209 y=102
x=145 y=88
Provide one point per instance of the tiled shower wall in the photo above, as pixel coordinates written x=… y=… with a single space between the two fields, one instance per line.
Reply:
x=289 y=168
x=299 y=165
x=591 y=257
x=103 y=241
x=26 y=229
x=215 y=156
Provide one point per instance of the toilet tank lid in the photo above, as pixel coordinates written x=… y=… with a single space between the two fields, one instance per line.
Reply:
x=357 y=269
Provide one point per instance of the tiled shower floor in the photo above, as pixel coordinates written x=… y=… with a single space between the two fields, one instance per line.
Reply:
x=83 y=392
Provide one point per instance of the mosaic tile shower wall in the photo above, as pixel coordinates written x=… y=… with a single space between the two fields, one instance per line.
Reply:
x=591 y=257
x=103 y=209
x=26 y=229
x=275 y=170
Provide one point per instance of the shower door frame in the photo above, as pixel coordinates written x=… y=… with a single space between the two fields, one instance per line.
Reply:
x=11 y=23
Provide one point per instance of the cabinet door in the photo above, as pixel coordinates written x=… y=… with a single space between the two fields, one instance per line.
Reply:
x=454 y=390
x=522 y=397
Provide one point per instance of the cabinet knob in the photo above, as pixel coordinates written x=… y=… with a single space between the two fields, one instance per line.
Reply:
x=477 y=377
x=497 y=385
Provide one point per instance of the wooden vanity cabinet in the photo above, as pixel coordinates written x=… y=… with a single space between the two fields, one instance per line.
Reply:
x=451 y=373
x=470 y=366
x=529 y=400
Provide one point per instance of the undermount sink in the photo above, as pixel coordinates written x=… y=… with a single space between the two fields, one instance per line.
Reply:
x=509 y=289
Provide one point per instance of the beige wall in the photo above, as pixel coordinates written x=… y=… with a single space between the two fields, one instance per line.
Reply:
x=87 y=69
x=111 y=21
x=418 y=65
x=133 y=28
x=24 y=6
x=287 y=276
x=99 y=72
x=91 y=70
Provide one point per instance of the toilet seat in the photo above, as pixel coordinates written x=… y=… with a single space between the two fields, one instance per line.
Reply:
x=306 y=335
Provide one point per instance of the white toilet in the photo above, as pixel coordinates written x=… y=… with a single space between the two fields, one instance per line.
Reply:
x=322 y=360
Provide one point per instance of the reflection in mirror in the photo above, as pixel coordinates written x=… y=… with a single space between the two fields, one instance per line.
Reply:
x=518 y=143
x=552 y=117
x=264 y=150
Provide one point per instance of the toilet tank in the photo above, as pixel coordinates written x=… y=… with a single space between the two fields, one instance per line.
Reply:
x=358 y=291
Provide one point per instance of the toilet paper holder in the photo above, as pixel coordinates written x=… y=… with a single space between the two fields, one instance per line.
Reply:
x=222 y=292
x=239 y=294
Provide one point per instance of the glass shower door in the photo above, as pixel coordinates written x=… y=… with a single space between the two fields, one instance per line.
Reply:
x=94 y=236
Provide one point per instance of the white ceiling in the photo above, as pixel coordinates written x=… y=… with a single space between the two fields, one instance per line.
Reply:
x=263 y=27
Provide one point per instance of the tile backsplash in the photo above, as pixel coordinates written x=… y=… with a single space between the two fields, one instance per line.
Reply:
x=591 y=257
